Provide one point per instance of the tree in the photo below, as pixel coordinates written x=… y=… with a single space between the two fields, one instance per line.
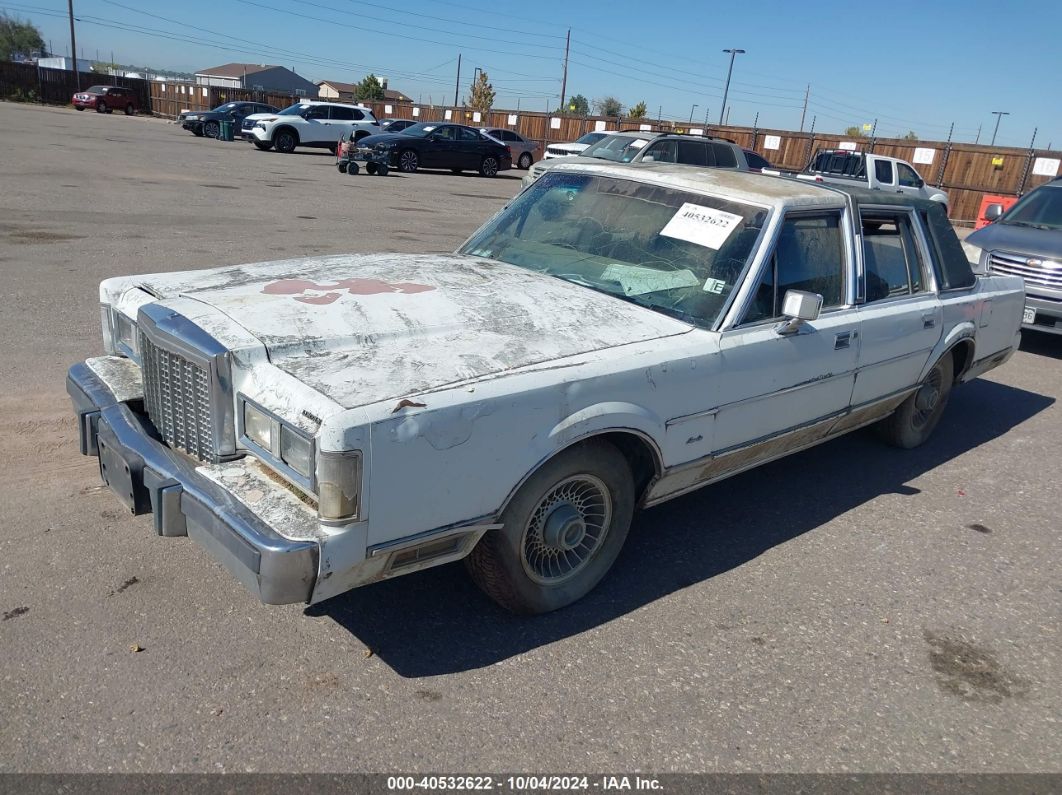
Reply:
x=911 y=136
x=638 y=111
x=608 y=106
x=369 y=89
x=481 y=97
x=19 y=39
x=577 y=105
x=854 y=132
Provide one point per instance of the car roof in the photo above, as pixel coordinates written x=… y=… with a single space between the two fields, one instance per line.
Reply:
x=328 y=102
x=728 y=183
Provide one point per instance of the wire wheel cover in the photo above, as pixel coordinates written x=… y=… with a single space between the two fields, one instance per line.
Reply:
x=566 y=529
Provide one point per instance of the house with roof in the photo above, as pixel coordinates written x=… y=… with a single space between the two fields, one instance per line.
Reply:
x=260 y=77
x=345 y=92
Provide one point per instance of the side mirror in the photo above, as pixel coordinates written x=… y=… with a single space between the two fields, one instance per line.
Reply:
x=799 y=307
x=993 y=211
x=648 y=159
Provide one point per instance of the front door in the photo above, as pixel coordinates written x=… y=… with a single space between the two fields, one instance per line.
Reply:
x=316 y=130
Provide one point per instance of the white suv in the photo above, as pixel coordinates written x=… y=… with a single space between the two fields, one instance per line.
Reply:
x=319 y=124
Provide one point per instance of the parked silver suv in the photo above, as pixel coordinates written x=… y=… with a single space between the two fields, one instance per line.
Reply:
x=1026 y=241
x=643 y=147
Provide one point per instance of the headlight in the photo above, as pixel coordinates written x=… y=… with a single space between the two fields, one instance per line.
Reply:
x=258 y=427
x=973 y=254
x=126 y=339
x=191 y=117
x=338 y=486
x=296 y=451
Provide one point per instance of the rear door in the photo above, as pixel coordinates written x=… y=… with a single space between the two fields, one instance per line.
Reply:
x=341 y=120
x=471 y=148
x=883 y=175
x=900 y=318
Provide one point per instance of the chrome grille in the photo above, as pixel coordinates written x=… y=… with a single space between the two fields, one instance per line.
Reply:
x=177 y=398
x=1018 y=265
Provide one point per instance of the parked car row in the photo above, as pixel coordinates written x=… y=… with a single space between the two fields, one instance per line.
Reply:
x=105 y=99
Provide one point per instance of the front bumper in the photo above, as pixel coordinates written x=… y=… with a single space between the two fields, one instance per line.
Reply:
x=192 y=126
x=149 y=477
x=1048 y=313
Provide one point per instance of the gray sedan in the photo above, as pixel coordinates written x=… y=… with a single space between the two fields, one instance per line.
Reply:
x=525 y=152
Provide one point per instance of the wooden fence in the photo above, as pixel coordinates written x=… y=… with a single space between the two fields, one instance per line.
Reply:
x=965 y=171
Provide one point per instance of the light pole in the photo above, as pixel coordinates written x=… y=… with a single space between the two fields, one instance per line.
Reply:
x=691 y=112
x=726 y=90
x=999 y=114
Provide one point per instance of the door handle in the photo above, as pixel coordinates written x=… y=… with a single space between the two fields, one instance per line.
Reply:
x=842 y=340
x=928 y=321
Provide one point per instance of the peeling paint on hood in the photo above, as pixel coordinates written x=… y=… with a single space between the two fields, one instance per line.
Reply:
x=365 y=328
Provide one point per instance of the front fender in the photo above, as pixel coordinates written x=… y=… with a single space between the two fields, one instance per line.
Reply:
x=604 y=417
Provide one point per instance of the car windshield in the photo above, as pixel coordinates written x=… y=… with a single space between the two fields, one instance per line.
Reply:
x=422 y=130
x=226 y=107
x=1041 y=209
x=618 y=148
x=678 y=253
x=590 y=138
x=293 y=110
x=94 y=89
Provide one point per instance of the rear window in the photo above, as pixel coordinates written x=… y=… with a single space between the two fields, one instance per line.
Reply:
x=724 y=156
x=842 y=163
x=953 y=269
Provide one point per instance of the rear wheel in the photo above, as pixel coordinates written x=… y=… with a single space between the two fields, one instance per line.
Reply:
x=285 y=141
x=489 y=166
x=913 y=422
x=101 y=106
x=129 y=109
x=370 y=168
x=525 y=161
x=408 y=162
x=561 y=532
x=211 y=129
x=352 y=169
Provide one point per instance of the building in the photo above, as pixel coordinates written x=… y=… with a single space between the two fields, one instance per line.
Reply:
x=262 y=77
x=344 y=92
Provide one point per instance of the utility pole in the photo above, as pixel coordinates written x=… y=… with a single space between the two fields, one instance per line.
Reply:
x=73 y=45
x=726 y=90
x=727 y=122
x=978 y=138
x=804 y=112
x=564 y=80
x=457 y=84
x=999 y=114
x=691 y=113
x=947 y=154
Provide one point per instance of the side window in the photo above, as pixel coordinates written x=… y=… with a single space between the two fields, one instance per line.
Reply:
x=356 y=114
x=341 y=114
x=724 y=156
x=891 y=258
x=755 y=161
x=661 y=151
x=809 y=256
x=693 y=153
x=466 y=135
x=908 y=176
x=883 y=171
x=446 y=133
x=953 y=269
x=316 y=112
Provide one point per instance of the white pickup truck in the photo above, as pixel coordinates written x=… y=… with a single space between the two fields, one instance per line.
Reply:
x=875 y=172
x=616 y=336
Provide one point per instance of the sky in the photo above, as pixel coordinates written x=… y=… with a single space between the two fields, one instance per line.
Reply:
x=912 y=65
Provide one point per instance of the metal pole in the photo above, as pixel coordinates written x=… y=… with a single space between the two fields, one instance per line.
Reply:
x=73 y=46
x=691 y=113
x=727 y=117
x=978 y=138
x=873 y=135
x=564 y=80
x=947 y=154
x=457 y=84
x=811 y=140
x=1028 y=163
x=726 y=90
x=805 y=110
x=999 y=114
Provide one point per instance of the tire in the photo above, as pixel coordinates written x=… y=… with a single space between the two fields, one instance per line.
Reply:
x=370 y=168
x=381 y=170
x=408 y=161
x=129 y=109
x=546 y=555
x=78 y=107
x=285 y=140
x=352 y=169
x=211 y=129
x=525 y=161
x=342 y=167
x=913 y=422
x=101 y=106
x=489 y=166
x=265 y=146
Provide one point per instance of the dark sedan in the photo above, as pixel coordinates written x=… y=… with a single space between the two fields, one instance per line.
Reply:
x=431 y=145
x=208 y=123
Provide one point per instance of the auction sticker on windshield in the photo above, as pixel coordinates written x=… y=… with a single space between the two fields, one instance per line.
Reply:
x=705 y=226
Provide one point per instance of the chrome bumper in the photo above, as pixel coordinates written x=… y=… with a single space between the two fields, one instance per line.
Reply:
x=149 y=477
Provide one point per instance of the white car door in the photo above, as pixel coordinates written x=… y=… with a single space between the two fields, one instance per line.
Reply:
x=782 y=391
x=901 y=320
x=316 y=128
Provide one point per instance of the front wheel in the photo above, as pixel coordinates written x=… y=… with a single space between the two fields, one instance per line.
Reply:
x=913 y=422
x=408 y=162
x=489 y=166
x=285 y=141
x=211 y=129
x=78 y=107
x=561 y=532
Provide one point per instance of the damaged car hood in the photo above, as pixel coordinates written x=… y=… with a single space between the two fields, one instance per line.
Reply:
x=365 y=328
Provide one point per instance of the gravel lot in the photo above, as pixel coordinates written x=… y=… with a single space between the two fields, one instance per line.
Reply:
x=851 y=608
